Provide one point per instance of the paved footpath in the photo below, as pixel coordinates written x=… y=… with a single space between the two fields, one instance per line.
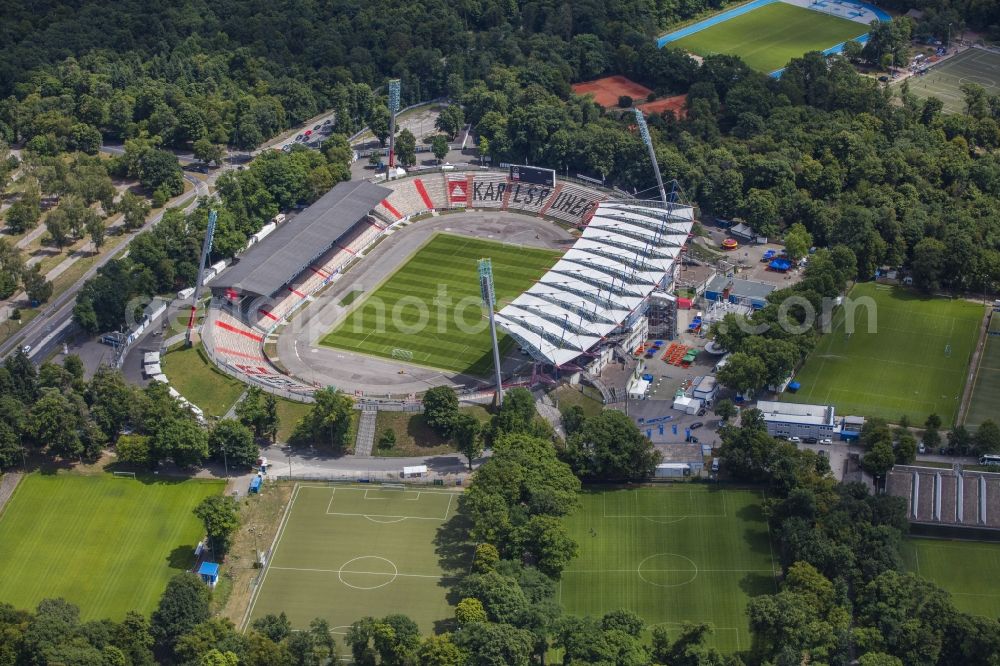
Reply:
x=8 y=483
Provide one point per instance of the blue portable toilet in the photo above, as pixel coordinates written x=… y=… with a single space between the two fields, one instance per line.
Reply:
x=255 y=485
x=209 y=572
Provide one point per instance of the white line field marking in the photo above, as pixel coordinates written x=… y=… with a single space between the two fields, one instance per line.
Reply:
x=348 y=571
x=448 y=510
x=366 y=515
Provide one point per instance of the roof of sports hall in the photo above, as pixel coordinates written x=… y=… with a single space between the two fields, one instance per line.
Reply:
x=277 y=259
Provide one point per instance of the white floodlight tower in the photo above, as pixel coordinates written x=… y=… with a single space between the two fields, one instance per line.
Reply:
x=206 y=249
x=489 y=302
x=393 y=110
x=640 y=121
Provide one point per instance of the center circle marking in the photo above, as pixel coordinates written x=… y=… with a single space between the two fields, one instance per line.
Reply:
x=666 y=565
x=394 y=574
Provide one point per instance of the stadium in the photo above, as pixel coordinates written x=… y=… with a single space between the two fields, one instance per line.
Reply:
x=602 y=285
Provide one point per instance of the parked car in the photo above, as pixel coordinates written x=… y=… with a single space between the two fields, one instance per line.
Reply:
x=696 y=425
x=921 y=448
x=695 y=440
x=826 y=440
x=795 y=440
x=809 y=440
x=701 y=412
x=316 y=127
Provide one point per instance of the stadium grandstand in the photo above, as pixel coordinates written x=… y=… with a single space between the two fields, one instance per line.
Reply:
x=597 y=296
x=282 y=267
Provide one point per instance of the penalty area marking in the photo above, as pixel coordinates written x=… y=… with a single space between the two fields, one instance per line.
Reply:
x=394 y=518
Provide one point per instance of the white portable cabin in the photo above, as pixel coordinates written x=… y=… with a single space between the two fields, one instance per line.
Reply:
x=184 y=294
x=150 y=357
x=414 y=472
x=672 y=470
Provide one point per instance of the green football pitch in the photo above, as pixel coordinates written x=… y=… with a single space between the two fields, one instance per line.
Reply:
x=344 y=552
x=945 y=80
x=985 y=399
x=672 y=554
x=966 y=569
x=429 y=311
x=907 y=354
x=768 y=37
x=106 y=544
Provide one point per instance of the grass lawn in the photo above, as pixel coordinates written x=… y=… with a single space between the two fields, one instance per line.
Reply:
x=413 y=436
x=945 y=80
x=107 y=544
x=966 y=569
x=194 y=377
x=345 y=552
x=672 y=554
x=429 y=311
x=289 y=414
x=768 y=37
x=902 y=366
x=567 y=396
x=986 y=388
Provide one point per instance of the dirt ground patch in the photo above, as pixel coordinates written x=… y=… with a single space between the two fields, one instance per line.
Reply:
x=606 y=91
x=677 y=104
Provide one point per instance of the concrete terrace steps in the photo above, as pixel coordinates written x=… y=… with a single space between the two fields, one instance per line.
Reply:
x=365 y=440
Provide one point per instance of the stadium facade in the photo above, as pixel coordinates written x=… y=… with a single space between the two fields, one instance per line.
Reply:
x=604 y=292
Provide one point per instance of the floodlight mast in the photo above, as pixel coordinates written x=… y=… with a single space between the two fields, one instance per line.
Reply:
x=489 y=302
x=206 y=249
x=640 y=121
x=393 y=110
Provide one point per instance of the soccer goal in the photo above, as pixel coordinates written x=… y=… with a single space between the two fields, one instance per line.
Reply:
x=402 y=354
x=392 y=486
x=124 y=475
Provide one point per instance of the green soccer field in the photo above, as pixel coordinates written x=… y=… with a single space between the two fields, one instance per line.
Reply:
x=672 y=554
x=986 y=380
x=768 y=37
x=914 y=361
x=345 y=552
x=945 y=80
x=429 y=312
x=107 y=544
x=966 y=569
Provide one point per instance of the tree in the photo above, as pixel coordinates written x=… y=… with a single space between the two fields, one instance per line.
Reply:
x=233 y=442
x=159 y=170
x=327 y=422
x=96 y=230
x=11 y=268
x=406 y=148
x=275 y=627
x=183 y=606
x=259 y=411
x=489 y=644
x=439 y=146
x=976 y=104
x=761 y=211
x=23 y=376
x=10 y=446
x=220 y=514
x=387 y=439
x=134 y=210
x=465 y=430
x=928 y=266
x=725 y=409
x=470 y=610
x=516 y=413
x=486 y=559
x=57 y=225
x=183 y=440
x=378 y=122
x=451 y=120
x=546 y=542
x=55 y=423
x=624 y=102
x=610 y=447
x=573 y=419
x=36 y=285
x=798 y=240
x=880 y=459
x=134 y=450
x=112 y=400
x=743 y=372
x=439 y=651
x=208 y=152
x=987 y=437
x=441 y=409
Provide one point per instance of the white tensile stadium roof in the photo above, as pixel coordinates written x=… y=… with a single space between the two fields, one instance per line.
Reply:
x=623 y=255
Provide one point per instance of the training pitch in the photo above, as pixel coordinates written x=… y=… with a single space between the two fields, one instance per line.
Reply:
x=345 y=552
x=913 y=361
x=966 y=569
x=986 y=381
x=769 y=36
x=673 y=554
x=106 y=544
x=429 y=311
x=945 y=80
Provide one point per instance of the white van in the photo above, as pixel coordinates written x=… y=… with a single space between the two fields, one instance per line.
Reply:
x=715 y=464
